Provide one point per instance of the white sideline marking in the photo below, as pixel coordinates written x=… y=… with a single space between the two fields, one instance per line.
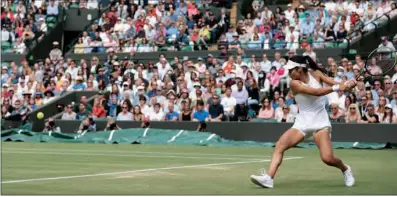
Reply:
x=135 y=171
x=80 y=135
x=113 y=155
x=211 y=136
x=175 y=136
x=145 y=132
x=111 y=135
x=138 y=152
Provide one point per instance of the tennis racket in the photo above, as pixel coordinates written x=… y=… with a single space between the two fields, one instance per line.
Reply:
x=379 y=62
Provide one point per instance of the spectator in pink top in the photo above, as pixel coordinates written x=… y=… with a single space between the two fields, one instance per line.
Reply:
x=273 y=77
x=266 y=111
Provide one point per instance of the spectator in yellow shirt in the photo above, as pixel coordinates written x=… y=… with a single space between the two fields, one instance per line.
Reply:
x=204 y=37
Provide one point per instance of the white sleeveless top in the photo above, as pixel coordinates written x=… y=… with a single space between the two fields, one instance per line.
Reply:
x=312 y=114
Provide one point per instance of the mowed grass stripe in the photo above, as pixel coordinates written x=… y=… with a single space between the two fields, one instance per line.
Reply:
x=136 y=171
x=138 y=152
x=116 y=155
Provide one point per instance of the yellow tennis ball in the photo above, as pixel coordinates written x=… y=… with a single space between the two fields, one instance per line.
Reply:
x=40 y=115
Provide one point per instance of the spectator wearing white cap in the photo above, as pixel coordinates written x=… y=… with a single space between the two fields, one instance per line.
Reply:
x=19 y=47
x=42 y=27
x=140 y=92
x=388 y=116
x=163 y=66
x=289 y=13
x=386 y=45
x=4 y=74
x=292 y=37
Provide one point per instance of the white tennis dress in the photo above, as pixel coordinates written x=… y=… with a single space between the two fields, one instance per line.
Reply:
x=312 y=115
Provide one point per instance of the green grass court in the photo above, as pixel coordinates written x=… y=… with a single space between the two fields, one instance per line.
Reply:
x=100 y=169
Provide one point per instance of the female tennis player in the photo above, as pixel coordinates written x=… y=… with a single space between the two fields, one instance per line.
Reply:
x=312 y=119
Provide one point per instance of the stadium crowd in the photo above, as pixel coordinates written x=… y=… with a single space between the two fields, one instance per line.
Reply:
x=187 y=26
x=172 y=25
x=218 y=87
x=212 y=88
x=22 y=22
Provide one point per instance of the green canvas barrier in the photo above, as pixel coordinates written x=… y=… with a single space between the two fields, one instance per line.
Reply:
x=161 y=137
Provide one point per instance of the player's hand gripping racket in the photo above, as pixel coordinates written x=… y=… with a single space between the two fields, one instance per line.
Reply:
x=379 y=62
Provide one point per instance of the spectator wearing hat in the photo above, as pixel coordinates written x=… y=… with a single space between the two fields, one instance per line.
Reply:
x=79 y=85
x=140 y=92
x=279 y=42
x=388 y=116
x=4 y=74
x=200 y=66
x=340 y=74
x=18 y=108
x=49 y=96
x=171 y=98
x=386 y=45
x=236 y=42
x=38 y=98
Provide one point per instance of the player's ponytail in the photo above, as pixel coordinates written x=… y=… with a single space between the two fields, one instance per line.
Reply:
x=313 y=65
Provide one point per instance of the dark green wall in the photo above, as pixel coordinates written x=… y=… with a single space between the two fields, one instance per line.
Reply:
x=144 y=57
x=263 y=132
x=50 y=109
x=77 y=18
x=371 y=40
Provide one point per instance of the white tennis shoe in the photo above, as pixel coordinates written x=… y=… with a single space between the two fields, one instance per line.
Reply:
x=263 y=180
x=349 y=178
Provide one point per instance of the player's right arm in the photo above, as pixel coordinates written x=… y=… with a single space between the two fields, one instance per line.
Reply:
x=298 y=87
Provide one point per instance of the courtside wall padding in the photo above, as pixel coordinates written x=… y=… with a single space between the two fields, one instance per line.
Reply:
x=156 y=136
x=258 y=131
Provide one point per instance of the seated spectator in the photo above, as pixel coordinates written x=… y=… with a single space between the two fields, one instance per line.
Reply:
x=266 y=112
x=388 y=116
x=286 y=115
x=69 y=114
x=171 y=115
x=353 y=114
x=124 y=114
x=83 y=112
x=200 y=115
x=215 y=110
x=336 y=115
x=157 y=114
x=370 y=116
x=98 y=111
x=137 y=114
x=228 y=102
x=186 y=113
